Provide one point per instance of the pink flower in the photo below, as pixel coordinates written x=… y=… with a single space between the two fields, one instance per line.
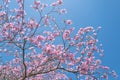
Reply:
x=54 y=4
x=105 y=76
x=70 y=64
x=89 y=53
x=98 y=61
x=90 y=42
x=21 y=12
x=84 y=68
x=50 y=37
x=72 y=43
x=32 y=23
x=66 y=34
x=59 y=2
x=114 y=74
x=62 y=11
x=69 y=22
x=71 y=56
x=40 y=38
x=88 y=29
x=81 y=31
x=46 y=20
x=36 y=4
x=39 y=45
x=80 y=44
x=2 y=14
x=76 y=37
x=35 y=41
x=49 y=48
x=16 y=60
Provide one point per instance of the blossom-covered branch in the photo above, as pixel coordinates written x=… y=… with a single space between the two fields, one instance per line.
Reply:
x=46 y=48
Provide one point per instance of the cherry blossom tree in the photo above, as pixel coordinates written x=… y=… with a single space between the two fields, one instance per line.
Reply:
x=44 y=48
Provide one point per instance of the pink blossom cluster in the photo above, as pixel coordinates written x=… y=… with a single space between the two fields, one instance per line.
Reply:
x=2 y=13
x=68 y=22
x=62 y=11
x=58 y=2
x=38 y=5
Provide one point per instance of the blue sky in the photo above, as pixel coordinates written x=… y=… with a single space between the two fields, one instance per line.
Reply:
x=104 y=13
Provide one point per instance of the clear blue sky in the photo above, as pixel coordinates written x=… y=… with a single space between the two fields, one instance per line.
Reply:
x=104 y=13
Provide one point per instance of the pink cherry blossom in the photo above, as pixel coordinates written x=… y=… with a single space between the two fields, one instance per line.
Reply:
x=36 y=4
x=66 y=34
x=58 y=2
x=2 y=13
x=46 y=20
x=40 y=37
x=69 y=22
x=62 y=11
